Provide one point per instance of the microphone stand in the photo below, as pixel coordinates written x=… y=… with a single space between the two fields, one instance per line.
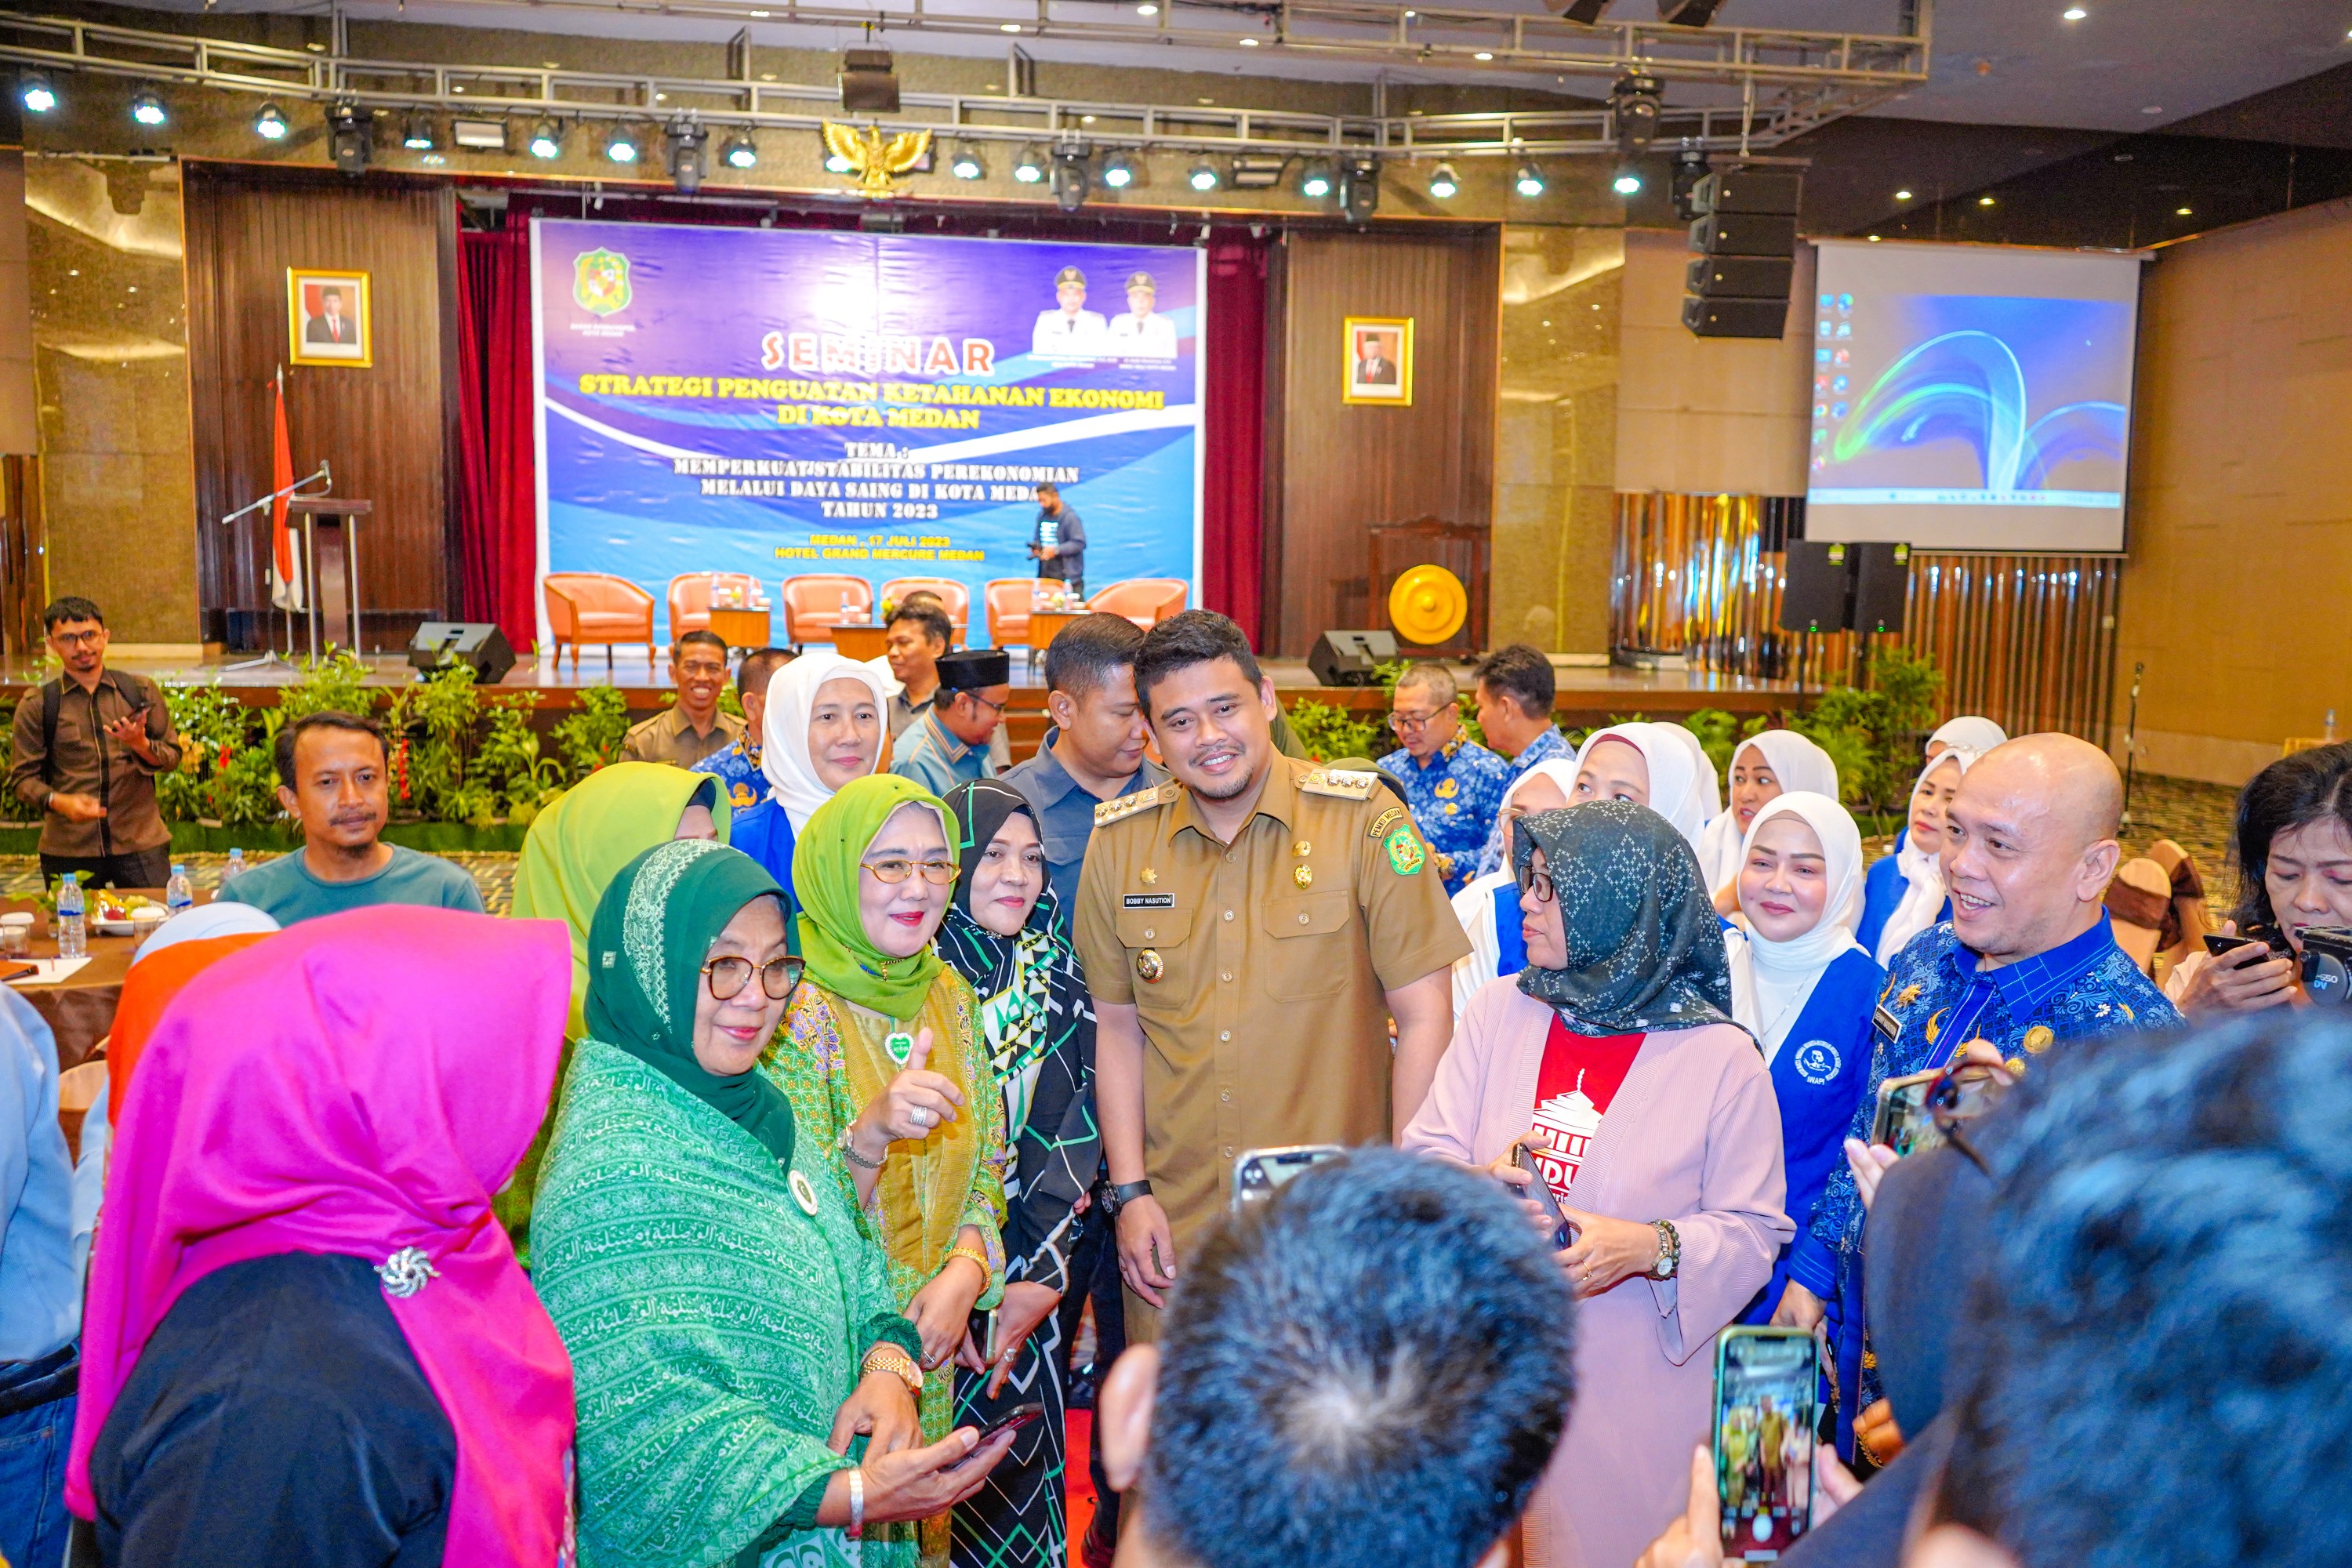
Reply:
x=2131 y=743
x=288 y=493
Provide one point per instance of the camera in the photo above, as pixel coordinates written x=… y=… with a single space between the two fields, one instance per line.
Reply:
x=2327 y=964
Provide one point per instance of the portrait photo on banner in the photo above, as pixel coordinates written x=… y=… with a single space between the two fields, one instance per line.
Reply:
x=327 y=317
x=1379 y=363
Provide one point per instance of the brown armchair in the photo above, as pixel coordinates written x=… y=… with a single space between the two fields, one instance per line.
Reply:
x=953 y=593
x=1007 y=601
x=1146 y=601
x=820 y=601
x=592 y=607
x=689 y=598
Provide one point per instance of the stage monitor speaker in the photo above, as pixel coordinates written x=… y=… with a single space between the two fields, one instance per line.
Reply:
x=1736 y=318
x=476 y=643
x=1780 y=192
x=1738 y=277
x=1815 y=590
x=1351 y=659
x=1881 y=585
x=1745 y=233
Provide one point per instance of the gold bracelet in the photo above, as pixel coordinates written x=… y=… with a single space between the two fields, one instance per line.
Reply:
x=890 y=1358
x=986 y=1272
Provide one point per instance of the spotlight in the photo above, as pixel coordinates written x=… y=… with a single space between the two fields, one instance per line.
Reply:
x=417 y=136
x=1445 y=183
x=1314 y=181
x=1117 y=172
x=1628 y=182
x=689 y=154
x=1203 y=176
x=621 y=145
x=147 y=108
x=36 y=93
x=547 y=140
x=1527 y=181
x=965 y=164
x=1690 y=168
x=351 y=136
x=270 y=124
x=1070 y=176
x=1359 y=188
x=1636 y=101
x=1032 y=166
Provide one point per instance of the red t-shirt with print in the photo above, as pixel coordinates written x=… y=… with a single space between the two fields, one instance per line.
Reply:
x=1580 y=1076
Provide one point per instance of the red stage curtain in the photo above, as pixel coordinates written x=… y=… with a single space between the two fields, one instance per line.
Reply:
x=1234 y=432
x=498 y=512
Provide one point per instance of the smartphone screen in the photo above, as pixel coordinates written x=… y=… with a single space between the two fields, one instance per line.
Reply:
x=1765 y=1382
x=1541 y=1191
x=1260 y=1174
x=1903 y=1122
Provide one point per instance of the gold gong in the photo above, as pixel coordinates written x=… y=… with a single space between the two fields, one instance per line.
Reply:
x=1427 y=605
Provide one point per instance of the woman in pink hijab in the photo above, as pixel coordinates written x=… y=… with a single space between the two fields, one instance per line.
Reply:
x=306 y=1339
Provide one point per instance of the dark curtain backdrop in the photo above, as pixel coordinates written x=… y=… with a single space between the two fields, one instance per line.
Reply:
x=498 y=510
x=1232 y=432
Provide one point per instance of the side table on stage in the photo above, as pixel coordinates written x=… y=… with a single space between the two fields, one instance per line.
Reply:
x=743 y=630
x=1045 y=626
x=330 y=523
x=860 y=643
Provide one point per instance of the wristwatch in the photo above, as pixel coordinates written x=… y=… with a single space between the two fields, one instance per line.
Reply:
x=890 y=1358
x=1115 y=1198
x=1670 y=1250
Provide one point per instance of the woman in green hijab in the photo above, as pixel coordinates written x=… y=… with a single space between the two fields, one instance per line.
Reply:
x=879 y=1041
x=745 y=1382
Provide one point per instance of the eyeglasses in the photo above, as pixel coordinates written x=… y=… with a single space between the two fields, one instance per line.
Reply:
x=1536 y=882
x=779 y=977
x=998 y=707
x=937 y=873
x=78 y=640
x=1409 y=723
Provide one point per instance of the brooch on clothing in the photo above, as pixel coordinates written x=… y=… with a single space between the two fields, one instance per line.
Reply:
x=406 y=1272
x=803 y=1193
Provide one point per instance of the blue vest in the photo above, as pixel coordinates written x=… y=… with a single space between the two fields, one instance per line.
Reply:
x=765 y=833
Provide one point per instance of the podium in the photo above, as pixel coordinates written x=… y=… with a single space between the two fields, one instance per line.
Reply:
x=331 y=567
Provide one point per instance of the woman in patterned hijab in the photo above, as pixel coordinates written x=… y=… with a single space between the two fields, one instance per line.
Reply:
x=1003 y=935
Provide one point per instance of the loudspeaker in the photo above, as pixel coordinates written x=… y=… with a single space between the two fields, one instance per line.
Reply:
x=1348 y=659
x=869 y=84
x=1688 y=12
x=1738 y=277
x=1585 y=11
x=1777 y=191
x=1881 y=585
x=1745 y=233
x=1736 y=318
x=1815 y=593
x=476 y=643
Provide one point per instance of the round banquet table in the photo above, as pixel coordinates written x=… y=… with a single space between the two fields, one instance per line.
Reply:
x=80 y=1010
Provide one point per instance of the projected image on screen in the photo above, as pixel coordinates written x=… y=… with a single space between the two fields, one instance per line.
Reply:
x=1969 y=420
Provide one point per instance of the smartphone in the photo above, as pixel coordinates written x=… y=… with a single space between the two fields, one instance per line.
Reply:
x=1766 y=1389
x=1902 y=1122
x=1541 y=1191
x=1259 y=1173
x=1013 y=1420
x=2216 y=945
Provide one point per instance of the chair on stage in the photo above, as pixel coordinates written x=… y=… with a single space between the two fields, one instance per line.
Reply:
x=1007 y=601
x=691 y=593
x=815 y=604
x=1146 y=601
x=593 y=607
x=953 y=593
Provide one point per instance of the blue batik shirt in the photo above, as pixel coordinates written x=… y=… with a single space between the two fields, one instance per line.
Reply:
x=1549 y=746
x=737 y=769
x=1453 y=800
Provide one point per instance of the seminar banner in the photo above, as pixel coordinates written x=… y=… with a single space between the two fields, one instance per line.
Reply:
x=784 y=402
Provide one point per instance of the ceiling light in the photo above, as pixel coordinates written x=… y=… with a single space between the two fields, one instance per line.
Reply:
x=2152 y=109
x=738 y=153
x=1444 y=182
x=1117 y=172
x=1031 y=168
x=417 y=137
x=1626 y=183
x=1360 y=187
x=1146 y=9
x=36 y=93
x=1984 y=201
x=2073 y=13
x=1249 y=43
x=1008 y=26
x=1070 y=175
x=621 y=146
x=270 y=123
x=547 y=140
x=1691 y=167
x=1901 y=196
x=965 y=164
x=1874 y=239
x=2181 y=212
x=1527 y=181
x=351 y=137
x=1483 y=55
x=1636 y=101
x=689 y=154
x=1203 y=176
x=146 y=107
x=1314 y=181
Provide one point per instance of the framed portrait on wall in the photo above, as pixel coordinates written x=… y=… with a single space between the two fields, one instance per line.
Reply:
x=327 y=317
x=1379 y=367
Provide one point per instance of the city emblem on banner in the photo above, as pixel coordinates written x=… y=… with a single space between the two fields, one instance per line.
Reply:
x=599 y=281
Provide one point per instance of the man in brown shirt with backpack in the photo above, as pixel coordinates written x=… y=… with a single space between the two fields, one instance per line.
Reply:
x=88 y=746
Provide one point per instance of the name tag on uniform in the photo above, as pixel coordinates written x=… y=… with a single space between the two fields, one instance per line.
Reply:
x=1149 y=901
x=1889 y=1026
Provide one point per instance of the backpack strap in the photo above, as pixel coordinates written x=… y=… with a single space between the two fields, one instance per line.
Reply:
x=53 y=701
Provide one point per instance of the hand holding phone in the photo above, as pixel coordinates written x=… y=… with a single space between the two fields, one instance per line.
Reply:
x=1538 y=1191
x=1766 y=1383
x=1013 y=1420
x=2245 y=973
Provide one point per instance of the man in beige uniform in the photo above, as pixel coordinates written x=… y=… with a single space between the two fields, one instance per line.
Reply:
x=1248 y=929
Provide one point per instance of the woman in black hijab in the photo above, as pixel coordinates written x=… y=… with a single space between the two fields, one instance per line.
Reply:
x=1002 y=934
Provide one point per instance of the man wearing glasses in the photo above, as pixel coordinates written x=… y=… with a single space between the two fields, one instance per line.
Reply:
x=1454 y=784
x=88 y=746
x=950 y=746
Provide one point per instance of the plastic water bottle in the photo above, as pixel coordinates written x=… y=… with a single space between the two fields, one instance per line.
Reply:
x=236 y=866
x=179 y=893
x=73 y=931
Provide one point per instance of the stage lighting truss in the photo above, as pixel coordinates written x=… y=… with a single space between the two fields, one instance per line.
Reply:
x=1761 y=85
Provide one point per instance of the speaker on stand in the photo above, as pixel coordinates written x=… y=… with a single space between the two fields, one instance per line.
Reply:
x=1351 y=659
x=476 y=643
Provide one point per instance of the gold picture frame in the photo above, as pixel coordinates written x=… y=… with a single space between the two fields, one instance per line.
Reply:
x=340 y=333
x=1376 y=360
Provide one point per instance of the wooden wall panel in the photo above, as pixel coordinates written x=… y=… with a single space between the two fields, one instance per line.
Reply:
x=389 y=430
x=1339 y=468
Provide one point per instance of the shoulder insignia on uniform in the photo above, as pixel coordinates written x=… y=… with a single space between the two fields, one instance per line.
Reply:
x=1383 y=822
x=1346 y=785
x=1125 y=805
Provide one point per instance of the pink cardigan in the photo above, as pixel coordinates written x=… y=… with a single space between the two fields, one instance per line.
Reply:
x=1693 y=1136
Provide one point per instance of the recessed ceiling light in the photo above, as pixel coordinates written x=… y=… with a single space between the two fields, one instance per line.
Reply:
x=1483 y=55
x=2152 y=109
x=1901 y=196
x=1146 y=9
x=1874 y=239
x=1984 y=201
x=1008 y=26
x=2073 y=13
x=1249 y=43
x=2181 y=212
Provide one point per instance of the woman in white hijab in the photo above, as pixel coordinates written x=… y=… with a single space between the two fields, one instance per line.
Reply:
x=1904 y=894
x=1969 y=733
x=1488 y=906
x=1648 y=764
x=1804 y=988
x=825 y=726
x=1763 y=767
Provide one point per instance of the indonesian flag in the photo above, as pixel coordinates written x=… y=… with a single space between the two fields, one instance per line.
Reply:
x=284 y=577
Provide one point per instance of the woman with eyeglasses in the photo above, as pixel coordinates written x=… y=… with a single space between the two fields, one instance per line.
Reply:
x=883 y=1060
x=1004 y=935
x=1649 y=1116
x=746 y=1382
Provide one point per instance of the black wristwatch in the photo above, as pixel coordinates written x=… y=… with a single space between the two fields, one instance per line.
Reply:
x=1115 y=1198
